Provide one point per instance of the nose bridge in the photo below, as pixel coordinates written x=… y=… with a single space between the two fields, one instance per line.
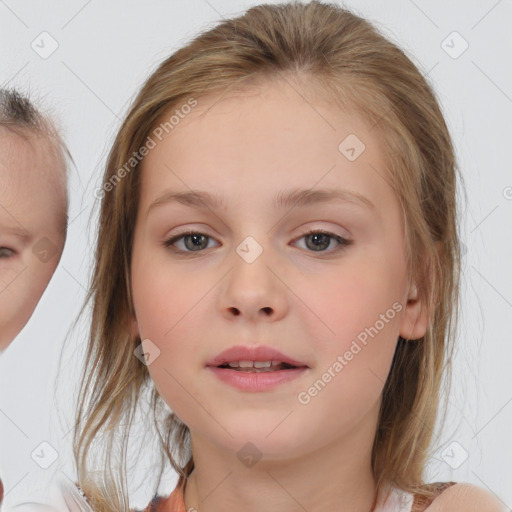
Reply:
x=251 y=260
x=254 y=230
x=250 y=249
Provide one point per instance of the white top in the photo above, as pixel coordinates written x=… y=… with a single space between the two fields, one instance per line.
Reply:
x=394 y=500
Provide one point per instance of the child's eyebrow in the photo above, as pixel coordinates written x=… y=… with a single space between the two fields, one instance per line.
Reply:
x=284 y=199
x=21 y=233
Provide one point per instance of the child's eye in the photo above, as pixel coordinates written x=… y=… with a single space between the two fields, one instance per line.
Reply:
x=5 y=252
x=322 y=239
x=197 y=241
x=317 y=239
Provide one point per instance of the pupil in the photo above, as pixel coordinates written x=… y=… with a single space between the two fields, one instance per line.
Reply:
x=315 y=236
x=196 y=242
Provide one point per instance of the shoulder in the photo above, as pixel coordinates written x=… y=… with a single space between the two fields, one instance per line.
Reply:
x=467 y=497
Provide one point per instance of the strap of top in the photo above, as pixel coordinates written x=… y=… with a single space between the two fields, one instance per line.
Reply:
x=155 y=504
x=421 y=503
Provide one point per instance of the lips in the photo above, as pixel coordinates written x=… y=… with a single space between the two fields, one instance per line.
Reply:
x=259 y=353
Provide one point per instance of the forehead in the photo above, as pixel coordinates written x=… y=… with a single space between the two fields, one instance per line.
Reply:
x=267 y=126
x=268 y=138
x=26 y=156
x=28 y=173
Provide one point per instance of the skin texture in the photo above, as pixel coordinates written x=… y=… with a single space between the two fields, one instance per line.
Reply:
x=28 y=200
x=468 y=497
x=308 y=304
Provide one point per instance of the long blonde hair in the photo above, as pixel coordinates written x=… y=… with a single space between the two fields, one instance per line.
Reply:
x=347 y=61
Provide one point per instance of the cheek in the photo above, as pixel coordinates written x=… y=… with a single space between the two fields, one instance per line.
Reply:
x=12 y=310
x=19 y=294
x=355 y=339
x=341 y=304
x=338 y=401
x=162 y=300
x=179 y=340
x=356 y=317
x=8 y=273
x=171 y=306
x=23 y=285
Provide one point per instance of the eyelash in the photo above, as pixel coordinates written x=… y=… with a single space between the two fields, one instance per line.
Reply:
x=343 y=242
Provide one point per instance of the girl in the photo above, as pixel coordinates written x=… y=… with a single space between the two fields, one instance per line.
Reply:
x=278 y=264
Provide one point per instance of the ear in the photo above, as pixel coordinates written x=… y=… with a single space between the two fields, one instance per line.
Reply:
x=416 y=317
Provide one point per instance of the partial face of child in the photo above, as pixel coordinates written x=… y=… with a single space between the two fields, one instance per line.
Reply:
x=31 y=235
x=249 y=276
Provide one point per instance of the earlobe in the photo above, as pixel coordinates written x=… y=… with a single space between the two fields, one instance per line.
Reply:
x=415 y=318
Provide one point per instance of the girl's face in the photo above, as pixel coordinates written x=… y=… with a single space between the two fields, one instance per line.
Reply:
x=250 y=277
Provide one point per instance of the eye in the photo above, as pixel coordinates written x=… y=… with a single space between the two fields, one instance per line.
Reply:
x=196 y=238
x=5 y=252
x=322 y=239
x=317 y=239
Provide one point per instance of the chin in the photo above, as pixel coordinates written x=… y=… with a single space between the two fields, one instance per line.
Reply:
x=262 y=439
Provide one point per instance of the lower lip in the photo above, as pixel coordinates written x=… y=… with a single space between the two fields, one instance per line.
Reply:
x=256 y=381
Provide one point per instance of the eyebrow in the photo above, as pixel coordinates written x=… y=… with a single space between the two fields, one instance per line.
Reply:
x=21 y=233
x=285 y=199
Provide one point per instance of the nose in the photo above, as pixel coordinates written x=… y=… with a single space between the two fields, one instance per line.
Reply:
x=253 y=289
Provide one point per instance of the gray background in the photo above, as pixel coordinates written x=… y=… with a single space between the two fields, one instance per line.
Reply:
x=105 y=51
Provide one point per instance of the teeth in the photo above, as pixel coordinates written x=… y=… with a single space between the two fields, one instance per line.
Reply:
x=255 y=364
x=262 y=364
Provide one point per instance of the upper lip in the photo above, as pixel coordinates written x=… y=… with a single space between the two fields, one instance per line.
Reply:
x=259 y=353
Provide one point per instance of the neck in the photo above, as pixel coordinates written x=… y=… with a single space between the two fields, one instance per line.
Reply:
x=336 y=476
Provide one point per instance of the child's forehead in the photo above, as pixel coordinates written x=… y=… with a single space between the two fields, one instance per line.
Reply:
x=272 y=116
x=25 y=154
x=31 y=175
x=30 y=196
x=16 y=143
x=302 y=94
